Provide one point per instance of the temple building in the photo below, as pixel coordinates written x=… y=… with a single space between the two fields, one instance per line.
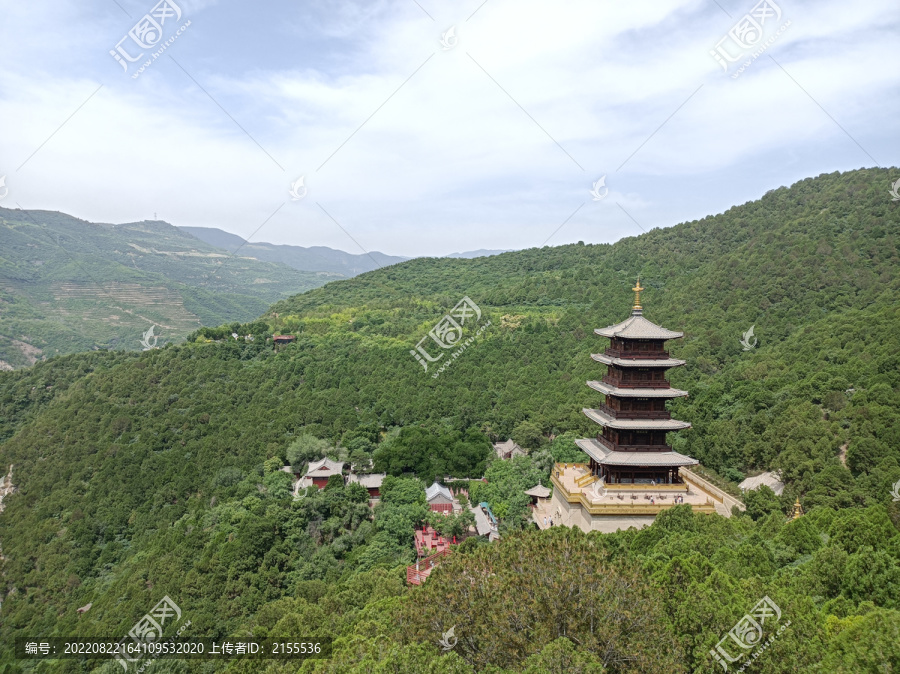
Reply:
x=319 y=471
x=508 y=450
x=632 y=474
x=372 y=482
x=439 y=499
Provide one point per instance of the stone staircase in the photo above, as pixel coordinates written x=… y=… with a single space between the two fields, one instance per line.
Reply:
x=586 y=480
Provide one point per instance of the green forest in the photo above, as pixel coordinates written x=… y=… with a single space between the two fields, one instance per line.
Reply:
x=140 y=475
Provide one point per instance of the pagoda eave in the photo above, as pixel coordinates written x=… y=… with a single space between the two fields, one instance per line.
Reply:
x=637 y=327
x=608 y=389
x=607 y=457
x=637 y=362
x=635 y=424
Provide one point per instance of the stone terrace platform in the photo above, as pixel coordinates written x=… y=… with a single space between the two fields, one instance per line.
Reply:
x=578 y=500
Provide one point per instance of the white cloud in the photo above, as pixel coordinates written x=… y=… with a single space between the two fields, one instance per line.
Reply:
x=449 y=162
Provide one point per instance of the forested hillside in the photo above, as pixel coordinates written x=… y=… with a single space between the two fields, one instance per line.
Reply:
x=813 y=268
x=67 y=285
x=144 y=474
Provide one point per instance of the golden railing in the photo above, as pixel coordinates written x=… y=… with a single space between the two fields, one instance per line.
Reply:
x=624 y=508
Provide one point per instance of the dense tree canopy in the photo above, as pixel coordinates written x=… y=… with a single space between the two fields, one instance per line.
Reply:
x=157 y=473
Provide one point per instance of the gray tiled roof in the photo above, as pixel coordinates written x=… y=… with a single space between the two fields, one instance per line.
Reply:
x=324 y=468
x=539 y=490
x=482 y=522
x=370 y=481
x=508 y=447
x=635 y=424
x=637 y=327
x=607 y=457
x=437 y=489
x=607 y=389
x=636 y=362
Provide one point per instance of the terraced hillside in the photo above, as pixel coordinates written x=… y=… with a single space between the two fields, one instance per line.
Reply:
x=68 y=285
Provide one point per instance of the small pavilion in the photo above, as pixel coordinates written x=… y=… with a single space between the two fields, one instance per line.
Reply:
x=538 y=493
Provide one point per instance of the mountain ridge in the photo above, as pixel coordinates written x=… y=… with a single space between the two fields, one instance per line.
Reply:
x=313 y=258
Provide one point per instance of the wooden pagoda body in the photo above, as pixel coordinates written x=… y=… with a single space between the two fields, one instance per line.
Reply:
x=630 y=447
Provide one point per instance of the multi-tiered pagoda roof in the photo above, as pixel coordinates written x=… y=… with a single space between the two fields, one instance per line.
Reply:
x=631 y=445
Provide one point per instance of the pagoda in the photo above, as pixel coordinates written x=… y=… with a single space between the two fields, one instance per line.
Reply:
x=630 y=447
x=797 y=511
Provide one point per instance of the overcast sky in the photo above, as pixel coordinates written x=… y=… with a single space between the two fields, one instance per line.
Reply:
x=492 y=139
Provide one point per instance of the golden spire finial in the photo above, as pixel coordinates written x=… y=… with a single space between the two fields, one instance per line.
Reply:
x=798 y=510
x=637 y=295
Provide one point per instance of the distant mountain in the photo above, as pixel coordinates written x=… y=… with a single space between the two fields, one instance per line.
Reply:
x=314 y=258
x=481 y=252
x=69 y=285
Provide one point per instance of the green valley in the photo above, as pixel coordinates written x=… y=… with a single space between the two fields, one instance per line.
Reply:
x=67 y=285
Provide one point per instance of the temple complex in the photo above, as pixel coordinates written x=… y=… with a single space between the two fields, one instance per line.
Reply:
x=632 y=474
